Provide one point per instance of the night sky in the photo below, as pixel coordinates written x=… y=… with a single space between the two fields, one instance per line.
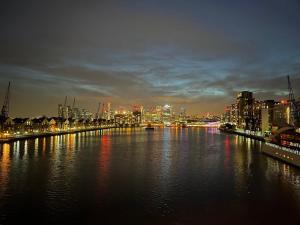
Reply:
x=197 y=54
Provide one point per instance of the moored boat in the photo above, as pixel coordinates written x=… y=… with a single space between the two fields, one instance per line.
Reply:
x=184 y=125
x=149 y=127
x=284 y=145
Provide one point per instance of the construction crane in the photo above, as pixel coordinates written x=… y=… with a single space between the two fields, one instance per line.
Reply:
x=66 y=99
x=5 y=107
x=294 y=117
x=73 y=106
x=102 y=110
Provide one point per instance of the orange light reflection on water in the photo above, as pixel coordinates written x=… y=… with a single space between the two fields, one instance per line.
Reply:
x=227 y=151
x=104 y=161
x=4 y=167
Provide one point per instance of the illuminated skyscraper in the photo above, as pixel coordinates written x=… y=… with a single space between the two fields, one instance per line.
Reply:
x=166 y=114
x=245 y=109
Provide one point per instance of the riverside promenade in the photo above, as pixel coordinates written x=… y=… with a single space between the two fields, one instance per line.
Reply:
x=254 y=136
x=5 y=138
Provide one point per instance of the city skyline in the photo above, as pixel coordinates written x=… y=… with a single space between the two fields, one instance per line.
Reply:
x=197 y=54
x=148 y=112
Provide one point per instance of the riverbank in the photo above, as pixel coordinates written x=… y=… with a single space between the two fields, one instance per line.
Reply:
x=275 y=151
x=13 y=138
x=248 y=135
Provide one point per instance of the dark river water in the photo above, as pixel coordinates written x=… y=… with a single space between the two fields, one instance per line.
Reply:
x=132 y=176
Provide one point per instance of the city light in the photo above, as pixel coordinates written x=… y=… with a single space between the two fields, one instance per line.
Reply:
x=149 y=112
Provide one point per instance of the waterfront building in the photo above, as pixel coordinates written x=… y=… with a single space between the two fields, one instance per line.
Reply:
x=265 y=121
x=120 y=119
x=73 y=123
x=298 y=112
x=281 y=114
x=262 y=117
x=233 y=114
x=82 y=123
x=250 y=114
x=52 y=125
x=61 y=123
x=244 y=103
x=267 y=115
x=40 y=124
x=226 y=115
x=22 y=125
x=7 y=124
x=256 y=120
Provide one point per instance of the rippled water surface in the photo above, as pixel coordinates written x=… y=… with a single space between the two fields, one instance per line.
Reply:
x=131 y=176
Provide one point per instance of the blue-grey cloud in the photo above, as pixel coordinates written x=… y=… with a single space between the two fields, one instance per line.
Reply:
x=197 y=54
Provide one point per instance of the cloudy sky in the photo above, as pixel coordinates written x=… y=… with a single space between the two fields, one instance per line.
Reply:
x=192 y=53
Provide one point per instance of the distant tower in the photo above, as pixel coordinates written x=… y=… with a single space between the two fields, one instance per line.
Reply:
x=182 y=114
x=60 y=110
x=108 y=110
x=142 y=114
x=72 y=110
x=98 y=111
x=5 y=107
x=66 y=100
x=66 y=109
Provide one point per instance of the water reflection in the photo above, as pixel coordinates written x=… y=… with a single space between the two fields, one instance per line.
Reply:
x=181 y=175
x=4 y=168
x=286 y=172
x=104 y=161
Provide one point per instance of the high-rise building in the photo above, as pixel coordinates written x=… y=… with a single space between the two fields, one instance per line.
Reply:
x=281 y=114
x=226 y=115
x=245 y=110
x=166 y=114
x=147 y=117
x=182 y=115
x=255 y=121
x=137 y=112
x=267 y=114
x=158 y=114
x=233 y=114
x=106 y=111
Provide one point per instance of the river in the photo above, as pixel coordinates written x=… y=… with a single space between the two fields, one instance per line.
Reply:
x=131 y=176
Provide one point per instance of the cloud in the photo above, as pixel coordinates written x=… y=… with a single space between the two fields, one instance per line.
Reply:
x=194 y=54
